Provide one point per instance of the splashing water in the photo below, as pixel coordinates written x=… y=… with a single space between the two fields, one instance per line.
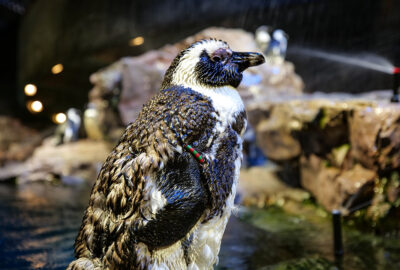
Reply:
x=364 y=60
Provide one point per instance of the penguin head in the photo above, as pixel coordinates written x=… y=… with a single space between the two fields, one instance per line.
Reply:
x=209 y=63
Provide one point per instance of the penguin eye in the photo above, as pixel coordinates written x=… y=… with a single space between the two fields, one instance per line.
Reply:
x=216 y=58
x=221 y=54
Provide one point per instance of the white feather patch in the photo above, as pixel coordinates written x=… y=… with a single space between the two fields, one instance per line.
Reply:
x=193 y=266
x=155 y=199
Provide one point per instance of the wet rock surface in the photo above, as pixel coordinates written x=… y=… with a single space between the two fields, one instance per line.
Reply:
x=342 y=145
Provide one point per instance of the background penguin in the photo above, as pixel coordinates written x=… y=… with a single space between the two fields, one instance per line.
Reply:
x=165 y=193
x=276 y=51
x=73 y=125
x=263 y=37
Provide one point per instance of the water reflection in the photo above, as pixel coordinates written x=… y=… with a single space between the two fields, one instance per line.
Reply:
x=38 y=224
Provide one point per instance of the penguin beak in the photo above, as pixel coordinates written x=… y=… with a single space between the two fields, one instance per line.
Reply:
x=247 y=59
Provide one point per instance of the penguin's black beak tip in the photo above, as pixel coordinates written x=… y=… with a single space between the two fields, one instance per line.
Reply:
x=247 y=59
x=256 y=59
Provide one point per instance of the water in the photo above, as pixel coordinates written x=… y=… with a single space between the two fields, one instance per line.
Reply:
x=39 y=222
x=366 y=60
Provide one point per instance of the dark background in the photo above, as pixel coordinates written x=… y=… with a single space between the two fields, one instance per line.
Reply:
x=87 y=35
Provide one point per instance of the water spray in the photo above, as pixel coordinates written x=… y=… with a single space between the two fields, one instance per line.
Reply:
x=396 y=85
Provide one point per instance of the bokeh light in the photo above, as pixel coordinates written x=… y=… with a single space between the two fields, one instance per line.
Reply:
x=137 y=41
x=56 y=69
x=59 y=118
x=30 y=89
x=34 y=106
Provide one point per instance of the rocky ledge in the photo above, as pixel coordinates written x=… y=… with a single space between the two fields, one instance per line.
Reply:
x=70 y=163
x=344 y=149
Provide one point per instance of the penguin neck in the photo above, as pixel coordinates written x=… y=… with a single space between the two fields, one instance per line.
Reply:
x=225 y=99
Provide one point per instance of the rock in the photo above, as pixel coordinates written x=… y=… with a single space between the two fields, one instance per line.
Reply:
x=141 y=79
x=320 y=181
x=261 y=186
x=17 y=142
x=280 y=145
x=258 y=184
x=72 y=162
x=138 y=78
x=280 y=124
x=342 y=145
x=375 y=136
x=356 y=186
x=277 y=123
x=335 y=189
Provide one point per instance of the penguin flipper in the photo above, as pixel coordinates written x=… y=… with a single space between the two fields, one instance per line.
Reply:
x=181 y=184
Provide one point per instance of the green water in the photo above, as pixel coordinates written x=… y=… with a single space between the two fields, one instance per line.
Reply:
x=304 y=241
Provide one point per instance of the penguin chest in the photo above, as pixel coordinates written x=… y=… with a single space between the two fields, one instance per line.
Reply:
x=228 y=105
x=207 y=236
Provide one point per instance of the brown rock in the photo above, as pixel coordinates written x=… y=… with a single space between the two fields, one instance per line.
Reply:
x=305 y=124
x=356 y=186
x=260 y=186
x=278 y=144
x=141 y=78
x=80 y=159
x=335 y=189
x=276 y=125
x=375 y=136
x=320 y=180
x=340 y=143
x=17 y=141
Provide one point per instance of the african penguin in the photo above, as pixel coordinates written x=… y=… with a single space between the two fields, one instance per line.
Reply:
x=165 y=193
